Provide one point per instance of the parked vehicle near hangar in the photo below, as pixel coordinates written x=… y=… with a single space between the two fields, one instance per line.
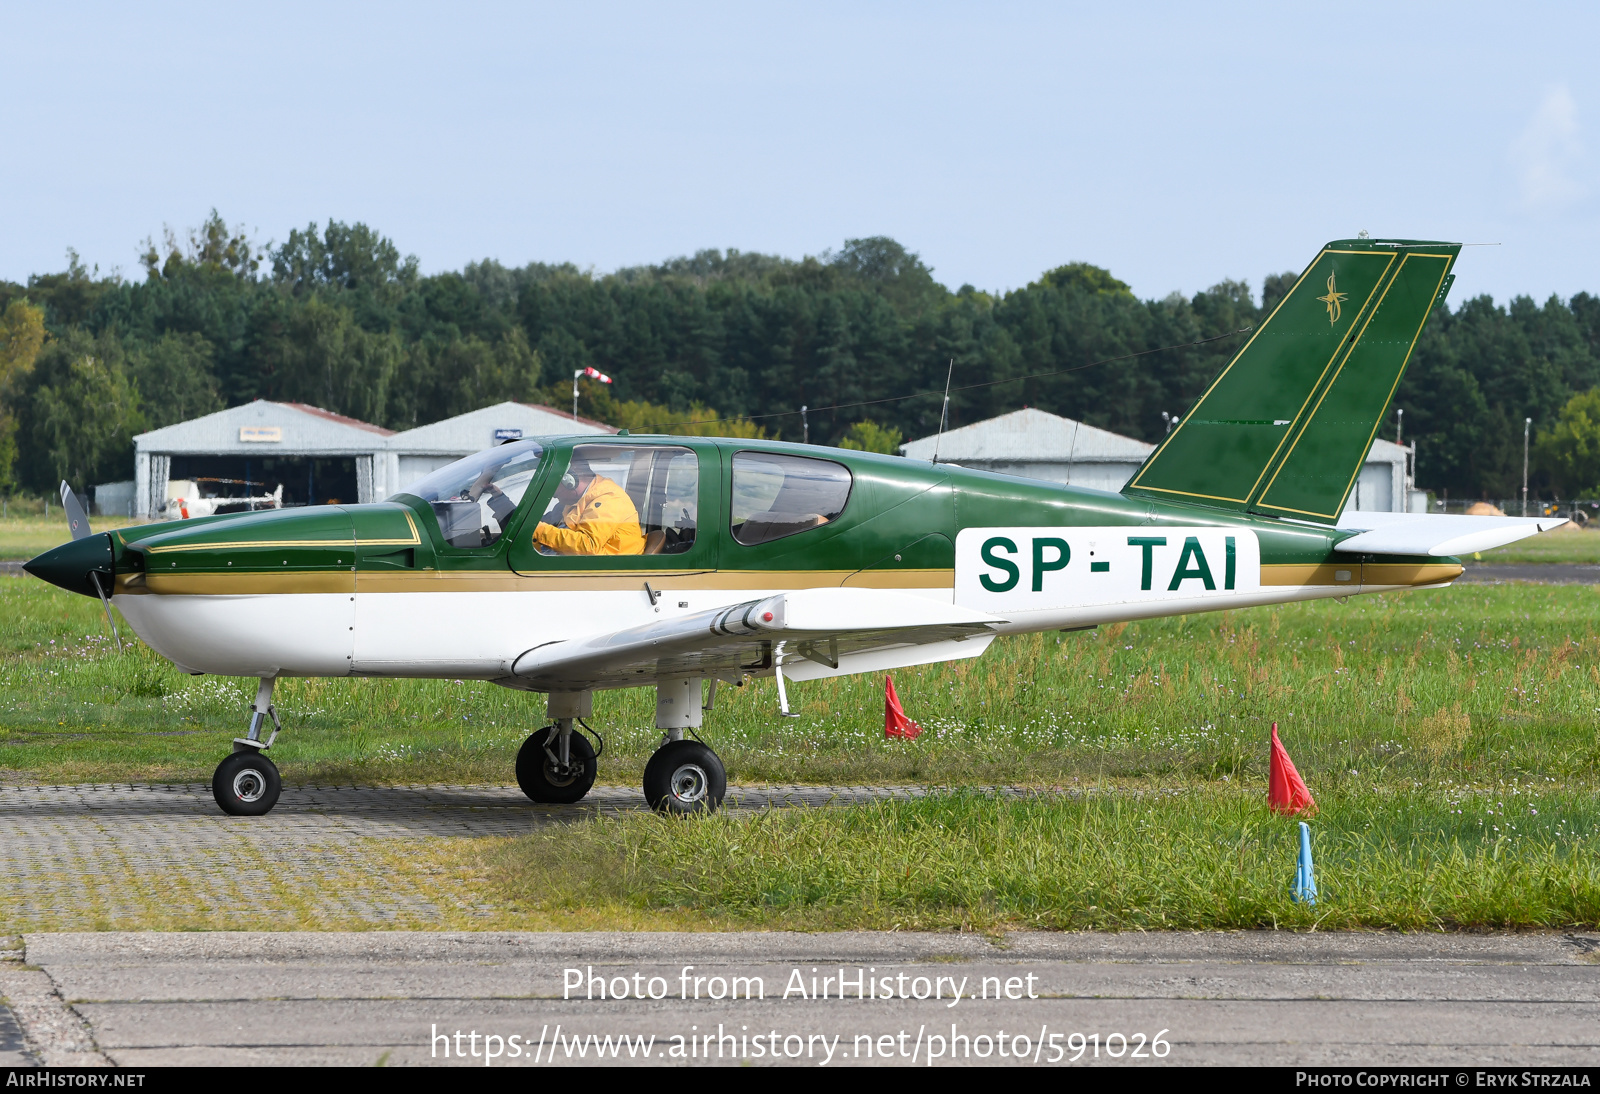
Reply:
x=569 y=565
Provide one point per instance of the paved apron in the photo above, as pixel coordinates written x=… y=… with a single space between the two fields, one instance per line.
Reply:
x=92 y=855
x=1235 y=998
x=101 y=857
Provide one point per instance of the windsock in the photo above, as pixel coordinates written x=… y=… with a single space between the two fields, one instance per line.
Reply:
x=1287 y=792
x=895 y=722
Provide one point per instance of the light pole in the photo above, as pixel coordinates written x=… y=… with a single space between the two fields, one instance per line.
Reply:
x=1527 y=424
x=1399 y=424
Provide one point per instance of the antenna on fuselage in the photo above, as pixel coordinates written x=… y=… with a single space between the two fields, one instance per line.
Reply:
x=944 y=411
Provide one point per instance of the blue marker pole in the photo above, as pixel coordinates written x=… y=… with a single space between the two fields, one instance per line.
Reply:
x=1304 y=889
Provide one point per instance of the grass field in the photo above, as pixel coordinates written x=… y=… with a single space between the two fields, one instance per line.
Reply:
x=24 y=537
x=1483 y=682
x=1392 y=857
x=1450 y=737
x=1566 y=544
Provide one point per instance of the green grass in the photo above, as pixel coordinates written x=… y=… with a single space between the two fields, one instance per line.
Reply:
x=1414 y=858
x=1450 y=737
x=26 y=536
x=1567 y=544
x=1372 y=686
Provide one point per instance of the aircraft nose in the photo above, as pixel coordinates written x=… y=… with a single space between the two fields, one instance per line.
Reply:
x=70 y=564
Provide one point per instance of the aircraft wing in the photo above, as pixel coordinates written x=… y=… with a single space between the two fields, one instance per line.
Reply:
x=810 y=632
x=1435 y=533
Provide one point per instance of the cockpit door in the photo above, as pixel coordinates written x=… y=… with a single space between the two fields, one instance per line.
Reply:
x=665 y=525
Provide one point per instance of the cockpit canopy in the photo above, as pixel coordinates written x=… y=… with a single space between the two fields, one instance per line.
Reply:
x=474 y=497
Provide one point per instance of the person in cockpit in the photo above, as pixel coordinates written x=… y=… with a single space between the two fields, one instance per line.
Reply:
x=501 y=506
x=597 y=516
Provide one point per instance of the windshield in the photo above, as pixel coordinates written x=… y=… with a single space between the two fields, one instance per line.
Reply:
x=473 y=498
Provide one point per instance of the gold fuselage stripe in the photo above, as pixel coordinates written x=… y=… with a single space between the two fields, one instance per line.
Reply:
x=497 y=581
x=1359 y=573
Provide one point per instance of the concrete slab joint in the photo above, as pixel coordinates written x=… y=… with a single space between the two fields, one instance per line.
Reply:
x=52 y=1032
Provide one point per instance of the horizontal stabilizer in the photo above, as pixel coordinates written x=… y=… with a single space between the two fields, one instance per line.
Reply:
x=817 y=627
x=1435 y=534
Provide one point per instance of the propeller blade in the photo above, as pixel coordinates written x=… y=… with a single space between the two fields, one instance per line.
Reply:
x=76 y=517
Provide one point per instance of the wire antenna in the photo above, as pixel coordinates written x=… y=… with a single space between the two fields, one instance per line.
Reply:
x=944 y=411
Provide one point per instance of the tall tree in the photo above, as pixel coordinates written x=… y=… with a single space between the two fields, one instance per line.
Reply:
x=22 y=335
x=77 y=413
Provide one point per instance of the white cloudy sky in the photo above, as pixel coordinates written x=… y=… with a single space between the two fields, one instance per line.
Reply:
x=1175 y=144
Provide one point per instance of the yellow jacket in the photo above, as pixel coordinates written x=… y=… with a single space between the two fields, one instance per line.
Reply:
x=601 y=522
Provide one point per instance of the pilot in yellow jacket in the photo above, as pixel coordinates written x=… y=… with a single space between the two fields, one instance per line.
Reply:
x=602 y=521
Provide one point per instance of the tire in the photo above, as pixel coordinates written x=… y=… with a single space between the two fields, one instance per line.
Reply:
x=685 y=777
x=246 y=784
x=538 y=778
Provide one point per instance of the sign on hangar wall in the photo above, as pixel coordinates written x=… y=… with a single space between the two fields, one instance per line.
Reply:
x=1002 y=570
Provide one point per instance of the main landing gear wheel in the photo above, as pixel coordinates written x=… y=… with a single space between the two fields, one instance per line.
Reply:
x=684 y=777
x=246 y=784
x=544 y=778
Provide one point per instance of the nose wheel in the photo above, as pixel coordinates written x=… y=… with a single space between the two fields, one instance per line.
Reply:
x=685 y=777
x=246 y=784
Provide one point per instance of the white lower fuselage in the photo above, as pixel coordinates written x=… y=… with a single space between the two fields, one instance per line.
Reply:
x=478 y=635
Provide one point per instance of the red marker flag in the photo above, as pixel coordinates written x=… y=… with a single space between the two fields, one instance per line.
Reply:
x=895 y=722
x=1287 y=792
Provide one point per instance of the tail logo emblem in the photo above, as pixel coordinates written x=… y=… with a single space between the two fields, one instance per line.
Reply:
x=1333 y=300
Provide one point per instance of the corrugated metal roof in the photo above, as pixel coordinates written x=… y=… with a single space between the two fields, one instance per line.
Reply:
x=340 y=418
x=299 y=429
x=475 y=430
x=1387 y=452
x=302 y=429
x=1030 y=436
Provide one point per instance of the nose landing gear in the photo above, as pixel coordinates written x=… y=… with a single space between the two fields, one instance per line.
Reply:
x=247 y=784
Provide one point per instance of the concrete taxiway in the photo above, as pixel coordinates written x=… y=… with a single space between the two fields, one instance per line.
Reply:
x=77 y=863
x=144 y=999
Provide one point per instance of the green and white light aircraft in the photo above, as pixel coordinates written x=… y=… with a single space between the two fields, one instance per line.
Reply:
x=757 y=558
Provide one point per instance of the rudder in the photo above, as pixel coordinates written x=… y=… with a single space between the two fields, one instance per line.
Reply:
x=1286 y=426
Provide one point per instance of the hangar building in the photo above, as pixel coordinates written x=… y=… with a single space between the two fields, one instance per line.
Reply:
x=313 y=455
x=416 y=452
x=1039 y=445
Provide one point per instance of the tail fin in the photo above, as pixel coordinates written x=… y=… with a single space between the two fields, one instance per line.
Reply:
x=1285 y=428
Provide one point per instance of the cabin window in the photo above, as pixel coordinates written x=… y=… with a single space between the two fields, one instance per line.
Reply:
x=775 y=495
x=662 y=484
x=474 y=497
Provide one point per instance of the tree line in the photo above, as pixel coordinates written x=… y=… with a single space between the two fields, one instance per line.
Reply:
x=720 y=342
